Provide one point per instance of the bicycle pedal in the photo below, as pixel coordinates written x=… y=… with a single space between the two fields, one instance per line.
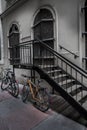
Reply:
x=34 y=103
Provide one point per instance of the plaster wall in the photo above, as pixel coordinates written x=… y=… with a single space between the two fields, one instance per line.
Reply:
x=66 y=24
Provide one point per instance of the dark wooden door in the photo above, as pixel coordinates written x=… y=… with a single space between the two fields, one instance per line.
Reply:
x=14 y=41
x=43 y=30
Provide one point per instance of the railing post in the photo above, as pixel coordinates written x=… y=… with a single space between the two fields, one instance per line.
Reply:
x=33 y=51
x=81 y=89
x=13 y=53
x=13 y=69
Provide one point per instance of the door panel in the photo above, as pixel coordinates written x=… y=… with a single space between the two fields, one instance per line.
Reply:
x=43 y=30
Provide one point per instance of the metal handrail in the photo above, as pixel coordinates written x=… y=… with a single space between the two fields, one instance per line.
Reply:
x=83 y=8
x=75 y=56
x=84 y=33
x=77 y=68
x=84 y=58
x=22 y=43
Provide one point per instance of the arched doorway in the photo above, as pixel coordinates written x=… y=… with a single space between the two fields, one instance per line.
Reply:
x=14 y=40
x=43 y=28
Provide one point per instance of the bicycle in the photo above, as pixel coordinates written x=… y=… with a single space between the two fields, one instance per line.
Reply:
x=1 y=73
x=36 y=94
x=9 y=82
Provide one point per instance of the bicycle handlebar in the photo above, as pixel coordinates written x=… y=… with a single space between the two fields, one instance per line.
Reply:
x=8 y=69
x=27 y=76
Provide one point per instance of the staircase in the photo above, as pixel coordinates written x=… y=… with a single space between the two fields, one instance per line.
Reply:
x=67 y=80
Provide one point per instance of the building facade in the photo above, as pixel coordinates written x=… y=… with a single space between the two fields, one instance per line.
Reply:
x=63 y=23
x=50 y=37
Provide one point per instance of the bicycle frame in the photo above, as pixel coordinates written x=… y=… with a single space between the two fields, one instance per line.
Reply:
x=9 y=83
x=32 y=90
x=38 y=95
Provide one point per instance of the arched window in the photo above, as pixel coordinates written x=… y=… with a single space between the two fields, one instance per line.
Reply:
x=43 y=26
x=13 y=29
x=13 y=35
x=14 y=40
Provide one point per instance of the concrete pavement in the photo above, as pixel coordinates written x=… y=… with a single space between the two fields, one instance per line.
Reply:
x=15 y=115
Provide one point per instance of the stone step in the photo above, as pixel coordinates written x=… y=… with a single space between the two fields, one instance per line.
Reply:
x=54 y=72
x=44 y=57
x=71 y=113
x=59 y=105
x=83 y=121
x=85 y=104
x=73 y=88
x=77 y=90
x=67 y=84
x=80 y=95
x=83 y=100
x=60 y=78
x=44 y=60
x=47 y=66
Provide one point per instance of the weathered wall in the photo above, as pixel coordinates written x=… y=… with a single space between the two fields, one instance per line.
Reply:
x=3 y=5
x=66 y=14
x=23 y=17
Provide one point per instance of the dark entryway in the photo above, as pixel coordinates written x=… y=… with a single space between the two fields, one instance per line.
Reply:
x=14 y=40
x=43 y=29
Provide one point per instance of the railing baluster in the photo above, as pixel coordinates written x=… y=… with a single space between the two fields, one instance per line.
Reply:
x=20 y=54
x=66 y=78
x=23 y=55
x=33 y=52
x=62 y=73
x=47 y=62
x=81 y=89
x=76 y=85
x=52 y=62
x=71 y=78
x=57 y=64
x=30 y=55
x=50 y=65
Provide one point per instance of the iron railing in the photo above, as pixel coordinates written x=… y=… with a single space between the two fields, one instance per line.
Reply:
x=46 y=57
x=72 y=53
x=40 y=54
x=56 y=68
x=24 y=51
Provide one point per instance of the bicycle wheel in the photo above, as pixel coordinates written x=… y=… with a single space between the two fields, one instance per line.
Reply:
x=15 y=89
x=25 y=93
x=5 y=83
x=43 y=103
